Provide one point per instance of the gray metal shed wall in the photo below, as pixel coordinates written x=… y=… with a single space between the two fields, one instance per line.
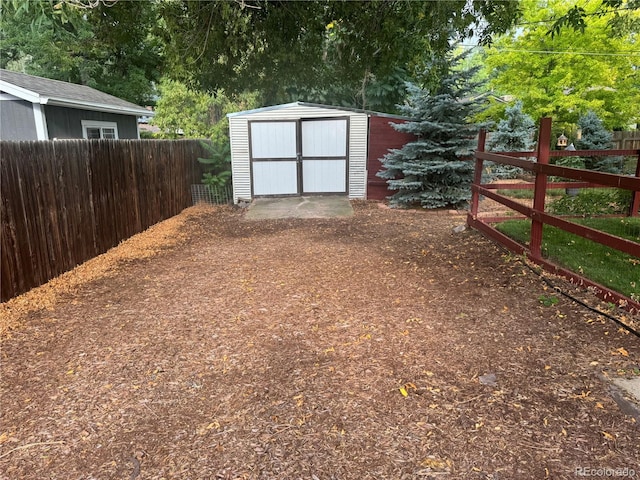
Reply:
x=63 y=122
x=17 y=121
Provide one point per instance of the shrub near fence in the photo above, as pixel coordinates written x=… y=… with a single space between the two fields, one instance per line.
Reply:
x=66 y=201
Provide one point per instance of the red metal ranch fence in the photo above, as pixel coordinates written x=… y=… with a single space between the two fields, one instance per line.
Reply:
x=541 y=170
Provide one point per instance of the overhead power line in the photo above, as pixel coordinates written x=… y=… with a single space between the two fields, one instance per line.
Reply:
x=565 y=52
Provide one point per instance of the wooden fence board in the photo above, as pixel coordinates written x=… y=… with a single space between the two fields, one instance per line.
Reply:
x=630 y=140
x=66 y=201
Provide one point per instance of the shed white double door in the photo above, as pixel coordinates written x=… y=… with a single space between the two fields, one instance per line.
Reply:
x=296 y=157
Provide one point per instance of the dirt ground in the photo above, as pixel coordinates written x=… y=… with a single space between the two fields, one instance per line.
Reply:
x=380 y=346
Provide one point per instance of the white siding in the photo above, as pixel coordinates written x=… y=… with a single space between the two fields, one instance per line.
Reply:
x=240 y=166
x=239 y=133
x=358 y=141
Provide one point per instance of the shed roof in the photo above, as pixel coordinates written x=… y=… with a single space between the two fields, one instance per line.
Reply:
x=316 y=105
x=55 y=92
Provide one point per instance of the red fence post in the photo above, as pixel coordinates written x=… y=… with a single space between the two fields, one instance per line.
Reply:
x=540 y=189
x=477 y=176
x=635 y=196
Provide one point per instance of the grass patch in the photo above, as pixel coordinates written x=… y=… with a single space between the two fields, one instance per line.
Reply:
x=528 y=194
x=593 y=201
x=611 y=268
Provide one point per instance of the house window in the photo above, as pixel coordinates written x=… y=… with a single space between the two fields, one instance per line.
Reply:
x=96 y=130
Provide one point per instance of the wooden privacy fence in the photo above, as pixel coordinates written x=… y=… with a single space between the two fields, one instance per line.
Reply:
x=541 y=169
x=66 y=201
x=626 y=140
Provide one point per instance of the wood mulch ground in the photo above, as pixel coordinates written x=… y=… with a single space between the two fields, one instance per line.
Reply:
x=381 y=346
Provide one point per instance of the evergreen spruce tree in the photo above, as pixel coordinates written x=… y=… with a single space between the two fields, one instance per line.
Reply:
x=514 y=134
x=435 y=170
x=596 y=137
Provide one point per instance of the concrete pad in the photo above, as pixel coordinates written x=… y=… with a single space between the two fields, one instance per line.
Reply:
x=319 y=206
x=626 y=393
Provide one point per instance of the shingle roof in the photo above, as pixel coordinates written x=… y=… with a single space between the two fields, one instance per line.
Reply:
x=55 y=92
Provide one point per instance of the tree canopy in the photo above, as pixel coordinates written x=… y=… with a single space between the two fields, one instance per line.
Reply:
x=331 y=51
x=181 y=111
x=564 y=76
x=348 y=52
x=109 y=47
x=622 y=16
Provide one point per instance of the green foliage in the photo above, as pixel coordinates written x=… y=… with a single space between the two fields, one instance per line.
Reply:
x=554 y=79
x=434 y=171
x=515 y=133
x=571 y=162
x=217 y=164
x=356 y=54
x=337 y=52
x=111 y=48
x=596 y=137
x=189 y=113
x=623 y=18
x=593 y=201
x=548 y=300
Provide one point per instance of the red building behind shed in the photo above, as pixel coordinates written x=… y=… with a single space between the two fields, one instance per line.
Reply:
x=382 y=138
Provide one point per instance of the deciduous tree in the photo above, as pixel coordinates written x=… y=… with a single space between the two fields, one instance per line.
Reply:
x=109 y=47
x=333 y=51
x=565 y=76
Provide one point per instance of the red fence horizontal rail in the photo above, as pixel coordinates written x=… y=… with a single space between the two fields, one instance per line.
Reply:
x=530 y=185
x=622 y=244
x=512 y=204
x=539 y=166
x=600 y=178
x=575 y=153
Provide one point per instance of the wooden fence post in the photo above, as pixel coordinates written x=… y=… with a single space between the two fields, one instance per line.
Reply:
x=540 y=189
x=477 y=176
x=635 y=196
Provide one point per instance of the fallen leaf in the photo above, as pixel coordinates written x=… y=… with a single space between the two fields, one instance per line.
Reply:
x=403 y=391
x=215 y=424
x=608 y=436
x=434 y=463
x=622 y=352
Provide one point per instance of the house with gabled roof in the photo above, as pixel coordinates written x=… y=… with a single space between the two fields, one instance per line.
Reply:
x=36 y=108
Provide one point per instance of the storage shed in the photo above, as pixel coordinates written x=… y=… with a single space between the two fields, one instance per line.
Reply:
x=303 y=149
